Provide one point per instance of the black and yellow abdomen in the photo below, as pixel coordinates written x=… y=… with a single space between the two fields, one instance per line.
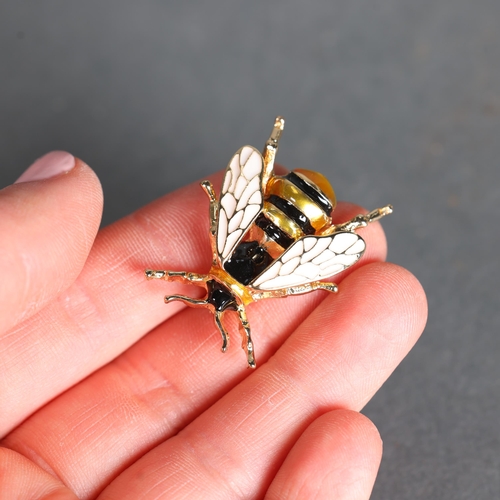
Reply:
x=295 y=205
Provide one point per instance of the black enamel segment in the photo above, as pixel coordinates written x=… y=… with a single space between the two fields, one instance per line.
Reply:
x=292 y=212
x=317 y=196
x=220 y=297
x=247 y=261
x=273 y=231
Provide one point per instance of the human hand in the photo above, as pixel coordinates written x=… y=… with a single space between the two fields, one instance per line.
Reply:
x=106 y=392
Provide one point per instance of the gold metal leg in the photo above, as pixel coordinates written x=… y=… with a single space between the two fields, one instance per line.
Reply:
x=361 y=220
x=209 y=190
x=296 y=290
x=271 y=148
x=182 y=276
x=225 y=336
x=246 y=338
x=187 y=300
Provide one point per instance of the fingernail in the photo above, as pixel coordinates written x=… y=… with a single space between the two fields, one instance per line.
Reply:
x=50 y=165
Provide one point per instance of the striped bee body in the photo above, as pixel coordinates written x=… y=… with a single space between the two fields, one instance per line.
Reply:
x=271 y=236
x=295 y=205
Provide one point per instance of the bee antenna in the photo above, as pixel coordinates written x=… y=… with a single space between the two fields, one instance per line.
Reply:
x=271 y=148
x=279 y=125
x=279 y=122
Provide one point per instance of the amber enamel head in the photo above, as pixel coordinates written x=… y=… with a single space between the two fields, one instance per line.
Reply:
x=271 y=236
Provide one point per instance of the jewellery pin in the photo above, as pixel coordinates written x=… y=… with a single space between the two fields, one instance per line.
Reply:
x=271 y=236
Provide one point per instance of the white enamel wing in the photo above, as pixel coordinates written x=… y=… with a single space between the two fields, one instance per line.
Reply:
x=241 y=199
x=311 y=258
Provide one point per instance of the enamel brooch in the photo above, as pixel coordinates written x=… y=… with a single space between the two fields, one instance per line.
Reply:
x=271 y=236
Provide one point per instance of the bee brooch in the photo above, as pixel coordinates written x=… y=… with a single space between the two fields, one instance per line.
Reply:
x=271 y=236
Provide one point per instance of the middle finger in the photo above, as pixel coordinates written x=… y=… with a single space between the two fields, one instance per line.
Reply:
x=89 y=434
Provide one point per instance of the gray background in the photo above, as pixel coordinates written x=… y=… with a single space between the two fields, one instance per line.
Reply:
x=395 y=100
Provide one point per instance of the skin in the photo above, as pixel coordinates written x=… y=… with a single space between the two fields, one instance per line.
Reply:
x=106 y=392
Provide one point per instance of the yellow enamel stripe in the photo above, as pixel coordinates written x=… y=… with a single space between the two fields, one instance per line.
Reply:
x=320 y=182
x=283 y=188
x=278 y=218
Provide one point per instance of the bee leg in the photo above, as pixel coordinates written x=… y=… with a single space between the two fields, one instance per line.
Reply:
x=209 y=190
x=187 y=300
x=296 y=290
x=182 y=276
x=246 y=338
x=322 y=285
x=363 y=220
x=225 y=336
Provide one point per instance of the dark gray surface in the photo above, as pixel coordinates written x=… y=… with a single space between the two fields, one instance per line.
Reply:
x=395 y=100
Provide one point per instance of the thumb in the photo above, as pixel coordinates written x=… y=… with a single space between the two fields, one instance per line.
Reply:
x=48 y=221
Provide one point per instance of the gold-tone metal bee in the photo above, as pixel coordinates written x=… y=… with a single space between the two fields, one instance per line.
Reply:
x=271 y=236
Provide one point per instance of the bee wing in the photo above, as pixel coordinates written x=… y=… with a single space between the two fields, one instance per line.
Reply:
x=241 y=199
x=312 y=258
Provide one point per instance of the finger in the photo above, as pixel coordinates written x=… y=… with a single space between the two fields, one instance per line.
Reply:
x=21 y=479
x=109 y=307
x=106 y=310
x=338 y=456
x=337 y=358
x=49 y=221
x=156 y=387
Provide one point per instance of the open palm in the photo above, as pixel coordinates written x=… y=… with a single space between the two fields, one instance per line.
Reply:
x=106 y=392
